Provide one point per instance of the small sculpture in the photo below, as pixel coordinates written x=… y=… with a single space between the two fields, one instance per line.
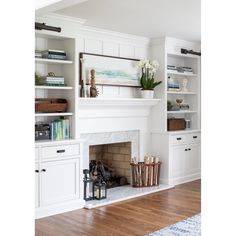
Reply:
x=93 y=90
x=184 y=85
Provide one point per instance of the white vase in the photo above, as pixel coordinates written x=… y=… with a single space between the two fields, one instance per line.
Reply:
x=147 y=94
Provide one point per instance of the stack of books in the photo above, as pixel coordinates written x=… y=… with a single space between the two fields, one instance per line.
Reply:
x=53 y=80
x=54 y=54
x=60 y=129
x=38 y=54
x=170 y=67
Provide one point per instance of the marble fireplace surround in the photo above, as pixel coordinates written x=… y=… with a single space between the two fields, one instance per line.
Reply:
x=132 y=136
x=123 y=192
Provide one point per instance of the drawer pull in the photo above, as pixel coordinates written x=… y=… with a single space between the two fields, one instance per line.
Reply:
x=43 y=170
x=61 y=151
x=189 y=149
x=194 y=136
x=37 y=171
x=178 y=138
x=186 y=149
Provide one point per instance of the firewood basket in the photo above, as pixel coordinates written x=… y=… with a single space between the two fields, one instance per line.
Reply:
x=145 y=175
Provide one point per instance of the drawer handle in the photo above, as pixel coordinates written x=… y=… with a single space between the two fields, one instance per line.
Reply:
x=179 y=138
x=61 y=151
x=189 y=149
x=43 y=170
x=37 y=171
x=186 y=149
x=194 y=136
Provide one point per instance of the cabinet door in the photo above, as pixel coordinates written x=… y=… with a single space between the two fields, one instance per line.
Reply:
x=177 y=161
x=193 y=159
x=59 y=181
x=36 y=185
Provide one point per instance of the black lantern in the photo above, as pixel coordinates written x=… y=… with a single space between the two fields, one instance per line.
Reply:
x=100 y=190
x=88 y=186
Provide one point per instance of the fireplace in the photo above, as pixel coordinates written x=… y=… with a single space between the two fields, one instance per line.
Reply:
x=111 y=162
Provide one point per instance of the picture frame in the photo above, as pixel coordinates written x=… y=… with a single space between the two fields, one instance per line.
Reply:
x=109 y=70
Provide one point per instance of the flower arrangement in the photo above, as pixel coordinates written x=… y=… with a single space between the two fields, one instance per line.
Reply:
x=149 y=69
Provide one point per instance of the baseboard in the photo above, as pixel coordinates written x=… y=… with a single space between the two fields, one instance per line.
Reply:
x=59 y=208
x=184 y=179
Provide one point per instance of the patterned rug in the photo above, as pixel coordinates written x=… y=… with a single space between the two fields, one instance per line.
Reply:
x=189 y=227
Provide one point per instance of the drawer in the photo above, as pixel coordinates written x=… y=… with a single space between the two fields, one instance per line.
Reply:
x=194 y=137
x=36 y=155
x=177 y=139
x=60 y=151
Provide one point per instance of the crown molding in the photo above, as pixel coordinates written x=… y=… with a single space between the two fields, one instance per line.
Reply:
x=56 y=16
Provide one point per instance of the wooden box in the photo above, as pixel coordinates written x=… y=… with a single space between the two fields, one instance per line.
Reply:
x=52 y=105
x=176 y=124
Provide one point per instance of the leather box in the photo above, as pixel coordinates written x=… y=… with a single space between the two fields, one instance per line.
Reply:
x=176 y=124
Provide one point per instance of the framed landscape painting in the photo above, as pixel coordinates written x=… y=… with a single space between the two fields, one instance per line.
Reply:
x=109 y=70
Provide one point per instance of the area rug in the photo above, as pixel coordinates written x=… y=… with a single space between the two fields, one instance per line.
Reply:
x=189 y=227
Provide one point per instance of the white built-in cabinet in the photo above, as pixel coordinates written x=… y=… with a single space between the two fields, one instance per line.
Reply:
x=59 y=181
x=179 y=151
x=58 y=177
x=180 y=155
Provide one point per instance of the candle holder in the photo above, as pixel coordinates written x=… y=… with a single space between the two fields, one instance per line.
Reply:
x=88 y=186
x=100 y=190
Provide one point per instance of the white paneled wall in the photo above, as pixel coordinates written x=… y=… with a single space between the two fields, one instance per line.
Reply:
x=119 y=47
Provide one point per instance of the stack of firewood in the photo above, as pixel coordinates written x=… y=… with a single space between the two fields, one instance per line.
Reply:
x=145 y=173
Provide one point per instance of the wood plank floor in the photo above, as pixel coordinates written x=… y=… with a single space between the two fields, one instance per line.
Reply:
x=138 y=216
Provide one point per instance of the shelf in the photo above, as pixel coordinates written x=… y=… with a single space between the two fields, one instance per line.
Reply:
x=180 y=92
x=54 y=114
x=52 y=61
x=117 y=102
x=180 y=112
x=53 y=87
x=183 y=55
x=186 y=131
x=172 y=72
x=57 y=142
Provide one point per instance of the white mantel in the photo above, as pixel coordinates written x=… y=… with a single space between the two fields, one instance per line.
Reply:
x=112 y=115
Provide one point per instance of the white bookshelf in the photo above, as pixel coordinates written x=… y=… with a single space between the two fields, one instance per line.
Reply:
x=172 y=72
x=54 y=87
x=52 y=61
x=56 y=114
x=66 y=68
x=167 y=52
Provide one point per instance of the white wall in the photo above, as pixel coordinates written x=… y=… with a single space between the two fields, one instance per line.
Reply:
x=95 y=41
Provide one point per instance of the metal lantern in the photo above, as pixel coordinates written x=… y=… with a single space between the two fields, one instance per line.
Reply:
x=88 y=186
x=100 y=190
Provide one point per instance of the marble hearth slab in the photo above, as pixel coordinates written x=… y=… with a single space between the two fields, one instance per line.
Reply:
x=124 y=193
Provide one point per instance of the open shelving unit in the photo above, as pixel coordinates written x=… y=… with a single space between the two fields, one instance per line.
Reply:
x=66 y=68
x=167 y=52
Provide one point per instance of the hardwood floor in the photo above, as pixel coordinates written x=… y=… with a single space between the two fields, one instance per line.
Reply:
x=138 y=216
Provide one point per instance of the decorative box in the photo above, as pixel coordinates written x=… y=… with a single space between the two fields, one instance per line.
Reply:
x=46 y=105
x=42 y=131
x=176 y=124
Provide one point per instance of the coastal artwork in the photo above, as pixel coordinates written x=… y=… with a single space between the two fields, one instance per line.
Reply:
x=111 y=70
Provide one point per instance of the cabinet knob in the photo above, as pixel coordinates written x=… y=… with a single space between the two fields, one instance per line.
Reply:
x=61 y=151
x=189 y=149
x=43 y=170
x=37 y=171
x=194 y=136
x=186 y=149
x=178 y=138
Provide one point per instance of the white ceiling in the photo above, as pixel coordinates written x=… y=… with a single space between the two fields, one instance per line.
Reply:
x=150 y=18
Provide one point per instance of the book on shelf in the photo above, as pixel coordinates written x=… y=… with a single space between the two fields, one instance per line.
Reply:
x=60 y=129
x=174 y=89
x=54 y=54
